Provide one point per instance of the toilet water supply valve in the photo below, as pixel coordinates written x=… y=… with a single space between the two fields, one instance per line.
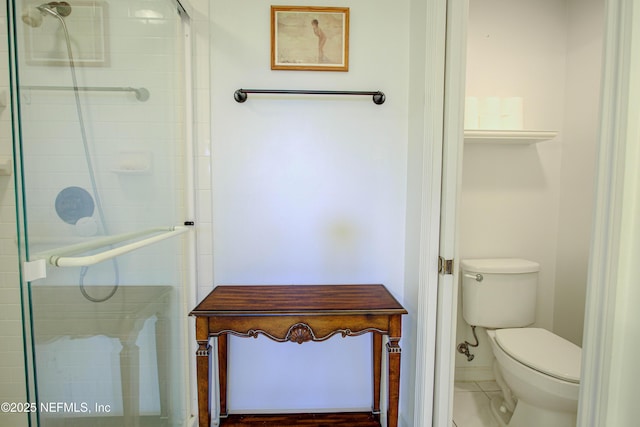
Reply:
x=464 y=347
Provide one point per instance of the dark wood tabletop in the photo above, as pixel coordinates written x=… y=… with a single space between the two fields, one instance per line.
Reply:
x=297 y=299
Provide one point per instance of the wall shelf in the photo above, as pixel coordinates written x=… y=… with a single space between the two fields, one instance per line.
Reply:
x=523 y=137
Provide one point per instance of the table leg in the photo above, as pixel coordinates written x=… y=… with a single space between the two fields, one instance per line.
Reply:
x=394 y=352
x=223 y=349
x=130 y=382
x=377 y=370
x=162 y=358
x=202 y=367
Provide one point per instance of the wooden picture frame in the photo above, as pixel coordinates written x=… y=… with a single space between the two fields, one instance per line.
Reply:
x=309 y=38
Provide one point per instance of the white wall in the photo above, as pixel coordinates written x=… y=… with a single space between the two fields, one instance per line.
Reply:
x=308 y=190
x=582 y=108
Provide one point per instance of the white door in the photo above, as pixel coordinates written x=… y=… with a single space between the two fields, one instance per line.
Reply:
x=453 y=136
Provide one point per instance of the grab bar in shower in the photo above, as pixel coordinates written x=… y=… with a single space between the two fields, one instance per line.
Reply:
x=61 y=257
x=240 y=95
x=142 y=94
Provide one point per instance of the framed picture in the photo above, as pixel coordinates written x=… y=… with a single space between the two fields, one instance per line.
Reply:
x=309 y=38
x=87 y=25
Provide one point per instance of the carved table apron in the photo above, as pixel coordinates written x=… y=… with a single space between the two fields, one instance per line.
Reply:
x=298 y=313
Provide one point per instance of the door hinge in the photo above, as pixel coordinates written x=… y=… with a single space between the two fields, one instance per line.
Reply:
x=445 y=266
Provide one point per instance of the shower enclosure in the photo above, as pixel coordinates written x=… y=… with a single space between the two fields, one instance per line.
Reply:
x=101 y=122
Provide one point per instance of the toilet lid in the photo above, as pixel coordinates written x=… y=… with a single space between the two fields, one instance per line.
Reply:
x=543 y=351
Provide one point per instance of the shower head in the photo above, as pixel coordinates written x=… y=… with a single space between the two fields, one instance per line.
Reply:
x=61 y=8
x=32 y=16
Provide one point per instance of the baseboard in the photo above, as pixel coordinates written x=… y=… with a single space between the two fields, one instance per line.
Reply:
x=474 y=373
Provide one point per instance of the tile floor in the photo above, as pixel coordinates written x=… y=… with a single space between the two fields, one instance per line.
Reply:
x=471 y=404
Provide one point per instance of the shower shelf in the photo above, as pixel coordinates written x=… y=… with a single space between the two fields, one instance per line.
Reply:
x=133 y=163
x=514 y=137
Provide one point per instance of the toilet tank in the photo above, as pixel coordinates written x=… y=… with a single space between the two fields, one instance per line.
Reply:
x=499 y=292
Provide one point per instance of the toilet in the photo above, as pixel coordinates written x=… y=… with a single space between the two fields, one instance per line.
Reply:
x=538 y=371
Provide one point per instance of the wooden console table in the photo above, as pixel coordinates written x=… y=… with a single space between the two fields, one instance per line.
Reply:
x=299 y=313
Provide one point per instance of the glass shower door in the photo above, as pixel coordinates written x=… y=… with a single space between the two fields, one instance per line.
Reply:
x=99 y=101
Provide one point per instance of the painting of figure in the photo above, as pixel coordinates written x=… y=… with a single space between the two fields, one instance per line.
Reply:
x=309 y=38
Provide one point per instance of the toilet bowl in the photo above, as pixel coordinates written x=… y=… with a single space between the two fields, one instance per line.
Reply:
x=543 y=371
x=540 y=369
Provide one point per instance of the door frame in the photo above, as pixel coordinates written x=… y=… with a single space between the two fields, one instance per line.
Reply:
x=607 y=335
x=428 y=32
